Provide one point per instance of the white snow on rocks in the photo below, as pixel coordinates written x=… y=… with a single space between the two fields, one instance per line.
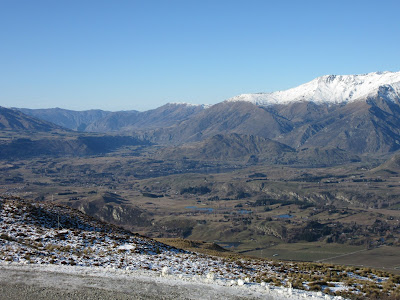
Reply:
x=332 y=89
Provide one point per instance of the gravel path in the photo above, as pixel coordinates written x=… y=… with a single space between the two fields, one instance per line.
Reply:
x=42 y=282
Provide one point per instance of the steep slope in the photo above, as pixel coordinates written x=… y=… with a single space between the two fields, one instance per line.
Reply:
x=368 y=126
x=74 y=120
x=54 y=234
x=14 y=120
x=223 y=118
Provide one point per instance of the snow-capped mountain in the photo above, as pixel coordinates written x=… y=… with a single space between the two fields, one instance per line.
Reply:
x=330 y=89
x=357 y=113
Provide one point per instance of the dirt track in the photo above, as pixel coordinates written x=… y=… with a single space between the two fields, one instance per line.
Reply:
x=27 y=282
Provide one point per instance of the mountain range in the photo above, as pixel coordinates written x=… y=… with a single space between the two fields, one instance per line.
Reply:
x=355 y=113
x=106 y=121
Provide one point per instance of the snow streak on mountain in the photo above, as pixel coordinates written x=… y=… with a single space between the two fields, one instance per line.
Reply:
x=333 y=89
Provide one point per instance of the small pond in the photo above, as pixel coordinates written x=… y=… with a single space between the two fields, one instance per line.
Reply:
x=244 y=211
x=207 y=209
x=285 y=216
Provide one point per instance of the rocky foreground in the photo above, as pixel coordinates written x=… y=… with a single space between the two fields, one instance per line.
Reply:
x=71 y=253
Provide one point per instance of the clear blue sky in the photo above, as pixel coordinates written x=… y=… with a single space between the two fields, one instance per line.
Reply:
x=121 y=55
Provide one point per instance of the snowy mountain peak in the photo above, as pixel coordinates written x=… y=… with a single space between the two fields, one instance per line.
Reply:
x=331 y=89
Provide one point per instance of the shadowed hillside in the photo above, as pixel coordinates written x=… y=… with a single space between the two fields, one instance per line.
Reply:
x=14 y=120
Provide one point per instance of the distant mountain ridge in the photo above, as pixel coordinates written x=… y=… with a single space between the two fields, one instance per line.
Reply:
x=356 y=113
x=74 y=120
x=163 y=116
x=11 y=119
x=106 y=121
